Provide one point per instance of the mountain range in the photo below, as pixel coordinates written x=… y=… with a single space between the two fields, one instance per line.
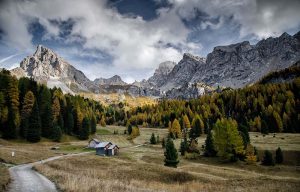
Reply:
x=234 y=66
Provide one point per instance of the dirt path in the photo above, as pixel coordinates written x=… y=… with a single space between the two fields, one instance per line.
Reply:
x=25 y=179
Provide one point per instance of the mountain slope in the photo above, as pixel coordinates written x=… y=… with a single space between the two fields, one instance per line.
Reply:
x=241 y=64
x=47 y=67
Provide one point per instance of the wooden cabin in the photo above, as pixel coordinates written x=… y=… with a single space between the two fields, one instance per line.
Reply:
x=102 y=148
x=93 y=142
x=113 y=150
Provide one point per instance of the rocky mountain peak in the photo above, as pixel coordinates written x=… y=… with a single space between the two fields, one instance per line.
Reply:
x=114 y=80
x=188 y=56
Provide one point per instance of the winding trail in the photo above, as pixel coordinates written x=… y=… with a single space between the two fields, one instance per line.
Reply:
x=26 y=179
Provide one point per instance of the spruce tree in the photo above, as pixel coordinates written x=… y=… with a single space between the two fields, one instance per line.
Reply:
x=163 y=144
x=56 y=133
x=93 y=124
x=34 y=130
x=10 y=128
x=152 y=139
x=171 y=155
x=129 y=129
x=268 y=159
x=47 y=121
x=279 y=156
x=209 y=146
x=70 y=122
x=85 y=130
x=197 y=127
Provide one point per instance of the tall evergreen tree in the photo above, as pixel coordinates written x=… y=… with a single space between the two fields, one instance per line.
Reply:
x=171 y=155
x=197 y=127
x=70 y=122
x=34 y=130
x=93 y=124
x=10 y=128
x=47 y=121
x=56 y=133
x=279 y=156
x=152 y=139
x=209 y=145
x=268 y=159
x=13 y=96
x=85 y=130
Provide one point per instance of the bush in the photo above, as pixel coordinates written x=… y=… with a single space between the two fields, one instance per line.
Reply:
x=279 y=156
x=152 y=139
x=268 y=159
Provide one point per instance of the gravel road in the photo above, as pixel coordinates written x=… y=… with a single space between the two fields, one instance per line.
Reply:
x=25 y=179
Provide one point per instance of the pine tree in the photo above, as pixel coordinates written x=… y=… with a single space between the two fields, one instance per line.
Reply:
x=70 y=122
x=47 y=121
x=129 y=129
x=245 y=134
x=227 y=140
x=268 y=159
x=278 y=122
x=85 y=130
x=279 y=156
x=93 y=124
x=152 y=139
x=10 y=129
x=34 y=130
x=209 y=146
x=163 y=144
x=171 y=155
x=56 y=133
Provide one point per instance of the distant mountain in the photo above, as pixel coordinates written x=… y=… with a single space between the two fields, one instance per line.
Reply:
x=114 y=80
x=47 y=67
x=232 y=66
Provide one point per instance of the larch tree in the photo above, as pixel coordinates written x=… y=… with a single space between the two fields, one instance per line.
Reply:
x=13 y=105
x=197 y=127
x=227 y=140
x=186 y=122
x=176 y=129
x=55 y=110
x=27 y=106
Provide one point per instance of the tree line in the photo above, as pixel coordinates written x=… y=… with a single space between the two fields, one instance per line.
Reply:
x=29 y=110
x=266 y=108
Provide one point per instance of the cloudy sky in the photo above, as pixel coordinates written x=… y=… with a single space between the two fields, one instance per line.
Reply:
x=131 y=37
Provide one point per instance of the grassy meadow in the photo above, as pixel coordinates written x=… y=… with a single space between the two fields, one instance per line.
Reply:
x=139 y=167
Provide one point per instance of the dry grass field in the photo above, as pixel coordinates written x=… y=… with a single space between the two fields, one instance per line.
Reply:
x=140 y=168
x=115 y=98
x=4 y=177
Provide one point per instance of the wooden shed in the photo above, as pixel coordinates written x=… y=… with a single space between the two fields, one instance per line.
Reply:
x=113 y=150
x=93 y=142
x=102 y=148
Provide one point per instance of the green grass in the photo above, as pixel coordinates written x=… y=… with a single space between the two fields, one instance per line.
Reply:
x=103 y=131
x=68 y=148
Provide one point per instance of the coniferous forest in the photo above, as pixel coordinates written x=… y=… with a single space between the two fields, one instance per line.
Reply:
x=31 y=111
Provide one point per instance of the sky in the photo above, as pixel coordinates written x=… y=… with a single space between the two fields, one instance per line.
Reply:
x=131 y=38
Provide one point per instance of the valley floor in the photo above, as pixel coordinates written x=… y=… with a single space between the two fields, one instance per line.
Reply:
x=139 y=166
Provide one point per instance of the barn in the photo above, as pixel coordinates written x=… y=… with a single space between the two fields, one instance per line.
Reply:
x=113 y=150
x=102 y=148
x=93 y=142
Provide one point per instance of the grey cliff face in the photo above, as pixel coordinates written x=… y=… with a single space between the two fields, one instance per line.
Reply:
x=115 y=80
x=241 y=64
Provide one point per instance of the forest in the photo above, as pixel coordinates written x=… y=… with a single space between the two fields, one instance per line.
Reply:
x=31 y=111
x=265 y=108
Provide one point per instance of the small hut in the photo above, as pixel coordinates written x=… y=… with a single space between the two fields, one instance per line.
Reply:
x=93 y=142
x=113 y=150
x=102 y=148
